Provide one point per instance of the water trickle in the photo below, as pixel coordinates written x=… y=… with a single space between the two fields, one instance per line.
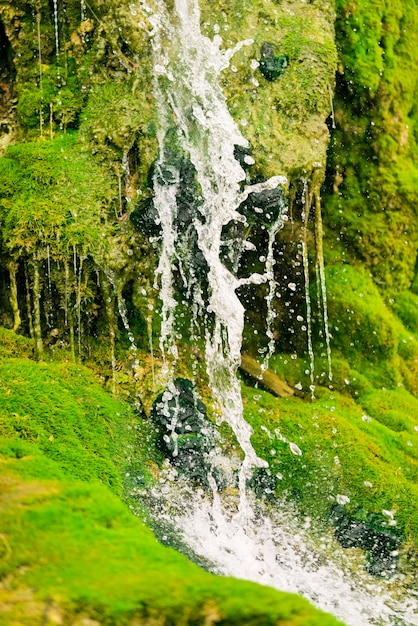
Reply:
x=271 y=314
x=122 y=310
x=192 y=107
x=48 y=305
x=305 y=260
x=79 y=276
x=38 y=28
x=57 y=40
x=322 y=281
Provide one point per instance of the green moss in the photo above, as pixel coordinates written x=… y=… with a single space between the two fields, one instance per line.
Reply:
x=344 y=451
x=70 y=548
x=371 y=192
x=406 y=308
x=288 y=133
x=361 y=323
x=54 y=194
x=62 y=409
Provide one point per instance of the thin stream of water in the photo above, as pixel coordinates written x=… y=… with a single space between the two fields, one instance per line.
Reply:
x=57 y=40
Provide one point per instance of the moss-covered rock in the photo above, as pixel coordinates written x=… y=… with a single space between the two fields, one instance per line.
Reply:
x=364 y=450
x=283 y=120
x=371 y=191
x=71 y=551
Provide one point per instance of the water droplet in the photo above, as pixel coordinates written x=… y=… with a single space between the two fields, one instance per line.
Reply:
x=295 y=449
x=342 y=499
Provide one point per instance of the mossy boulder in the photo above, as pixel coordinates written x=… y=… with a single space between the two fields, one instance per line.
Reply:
x=335 y=447
x=71 y=551
x=361 y=322
x=288 y=132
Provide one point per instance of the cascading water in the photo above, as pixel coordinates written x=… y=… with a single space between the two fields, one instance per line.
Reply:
x=187 y=66
x=273 y=548
x=197 y=141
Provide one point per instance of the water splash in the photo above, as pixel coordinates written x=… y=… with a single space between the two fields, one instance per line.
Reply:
x=274 y=549
x=187 y=66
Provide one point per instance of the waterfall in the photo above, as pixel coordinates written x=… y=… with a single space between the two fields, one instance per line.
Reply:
x=198 y=186
x=196 y=123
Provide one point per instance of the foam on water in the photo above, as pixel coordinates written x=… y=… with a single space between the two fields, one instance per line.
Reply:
x=272 y=548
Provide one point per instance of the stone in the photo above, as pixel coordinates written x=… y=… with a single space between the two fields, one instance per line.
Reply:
x=272 y=66
x=263 y=208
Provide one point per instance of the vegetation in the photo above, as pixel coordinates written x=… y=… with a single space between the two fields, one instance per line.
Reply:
x=70 y=548
x=78 y=139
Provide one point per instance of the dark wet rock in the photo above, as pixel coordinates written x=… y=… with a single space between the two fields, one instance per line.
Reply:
x=186 y=434
x=271 y=65
x=381 y=545
x=263 y=208
x=243 y=156
x=233 y=234
x=263 y=483
x=177 y=171
x=145 y=218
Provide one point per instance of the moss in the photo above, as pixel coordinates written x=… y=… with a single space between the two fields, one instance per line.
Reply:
x=13 y=345
x=371 y=191
x=344 y=451
x=361 y=322
x=55 y=195
x=287 y=133
x=70 y=422
x=396 y=409
x=406 y=308
x=63 y=444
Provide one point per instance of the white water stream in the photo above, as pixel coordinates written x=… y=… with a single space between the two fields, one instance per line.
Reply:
x=187 y=66
x=272 y=548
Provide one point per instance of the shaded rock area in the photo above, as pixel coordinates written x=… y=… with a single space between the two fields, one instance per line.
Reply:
x=381 y=545
x=186 y=435
x=271 y=65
